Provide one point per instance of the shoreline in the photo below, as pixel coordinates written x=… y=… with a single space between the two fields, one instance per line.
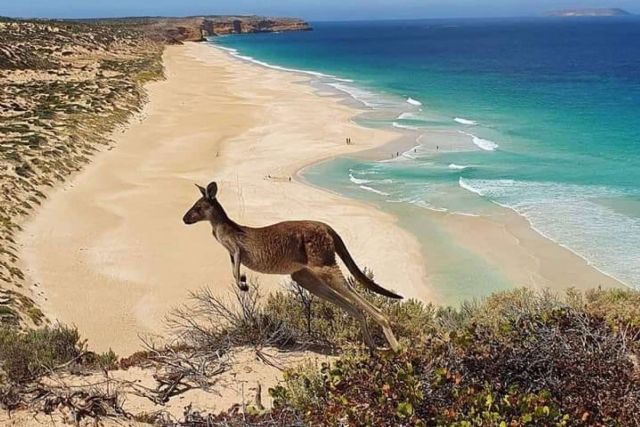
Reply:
x=119 y=220
x=542 y=274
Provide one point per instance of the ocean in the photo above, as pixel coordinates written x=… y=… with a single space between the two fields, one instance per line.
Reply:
x=537 y=115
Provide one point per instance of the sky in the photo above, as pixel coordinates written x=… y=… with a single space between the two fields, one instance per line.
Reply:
x=312 y=10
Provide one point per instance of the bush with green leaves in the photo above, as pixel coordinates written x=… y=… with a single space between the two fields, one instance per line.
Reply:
x=316 y=321
x=27 y=355
x=517 y=358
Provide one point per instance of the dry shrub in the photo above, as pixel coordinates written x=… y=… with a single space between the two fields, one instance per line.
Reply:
x=218 y=323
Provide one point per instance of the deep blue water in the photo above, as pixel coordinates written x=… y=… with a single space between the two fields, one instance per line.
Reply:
x=537 y=115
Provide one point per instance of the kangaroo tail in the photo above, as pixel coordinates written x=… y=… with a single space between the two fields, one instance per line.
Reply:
x=344 y=255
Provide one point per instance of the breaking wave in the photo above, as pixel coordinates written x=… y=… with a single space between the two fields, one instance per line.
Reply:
x=465 y=121
x=481 y=143
x=458 y=167
x=373 y=190
x=572 y=216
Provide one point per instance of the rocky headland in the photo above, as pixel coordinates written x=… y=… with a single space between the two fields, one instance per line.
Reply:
x=197 y=28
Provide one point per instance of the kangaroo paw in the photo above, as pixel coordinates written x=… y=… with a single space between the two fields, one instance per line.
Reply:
x=243 y=283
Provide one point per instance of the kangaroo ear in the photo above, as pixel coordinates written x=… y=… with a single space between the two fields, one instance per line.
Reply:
x=202 y=190
x=212 y=190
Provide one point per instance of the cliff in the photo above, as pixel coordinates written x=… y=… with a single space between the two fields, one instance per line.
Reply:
x=251 y=24
x=196 y=28
x=588 y=12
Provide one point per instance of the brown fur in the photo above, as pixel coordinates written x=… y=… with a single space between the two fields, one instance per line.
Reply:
x=303 y=249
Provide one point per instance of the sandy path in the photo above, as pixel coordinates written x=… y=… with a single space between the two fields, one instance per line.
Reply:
x=109 y=250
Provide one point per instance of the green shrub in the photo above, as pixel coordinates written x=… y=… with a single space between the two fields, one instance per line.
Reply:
x=316 y=321
x=26 y=355
x=517 y=358
x=105 y=361
x=620 y=307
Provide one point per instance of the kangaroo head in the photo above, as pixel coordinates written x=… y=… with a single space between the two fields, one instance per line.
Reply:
x=206 y=208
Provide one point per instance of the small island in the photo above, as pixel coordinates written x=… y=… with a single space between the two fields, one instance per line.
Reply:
x=588 y=12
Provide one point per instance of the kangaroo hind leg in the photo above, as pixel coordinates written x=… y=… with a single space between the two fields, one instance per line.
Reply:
x=336 y=281
x=309 y=281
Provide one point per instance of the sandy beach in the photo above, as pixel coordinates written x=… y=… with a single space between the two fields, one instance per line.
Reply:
x=108 y=251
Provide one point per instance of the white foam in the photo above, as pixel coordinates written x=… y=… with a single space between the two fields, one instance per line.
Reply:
x=409 y=152
x=358 y=180
x=458 y=167
x=373 y=190
x=406 y=115
x=481 y=143
x=425 y=205
x=417 y=200
x=465 y=214
x=464 y=184
x=414 y=101
x=465 y=121
x=401 y=126
x=571 y=216
x=234 y=52
x=369 y=99
x=228 y=49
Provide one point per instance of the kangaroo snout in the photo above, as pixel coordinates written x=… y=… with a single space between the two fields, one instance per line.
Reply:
x=187 y=219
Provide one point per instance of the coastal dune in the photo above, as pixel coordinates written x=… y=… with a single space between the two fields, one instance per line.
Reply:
x=108 y=251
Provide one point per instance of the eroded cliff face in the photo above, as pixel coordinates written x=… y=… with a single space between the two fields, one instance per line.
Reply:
x=177 y=30
x=251 y=24
x=197 y=28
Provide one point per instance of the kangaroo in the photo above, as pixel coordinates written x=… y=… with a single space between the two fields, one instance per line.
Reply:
x=305 y=250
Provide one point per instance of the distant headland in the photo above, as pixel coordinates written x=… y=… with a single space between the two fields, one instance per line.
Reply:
x=588 y=12
x=174 y=30
x=197 y=28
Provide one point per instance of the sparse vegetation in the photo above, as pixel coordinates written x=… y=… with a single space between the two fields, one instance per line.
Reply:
x=64 y=87
x=516 y=358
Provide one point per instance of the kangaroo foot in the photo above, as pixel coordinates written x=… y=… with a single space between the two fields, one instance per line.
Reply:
x=243 y=283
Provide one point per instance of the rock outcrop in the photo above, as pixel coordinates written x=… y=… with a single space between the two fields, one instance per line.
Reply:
x=197 y=28
x=251 y=24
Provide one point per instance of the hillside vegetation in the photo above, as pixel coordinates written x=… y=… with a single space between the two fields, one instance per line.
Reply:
x=64 y=88
x=517 y=358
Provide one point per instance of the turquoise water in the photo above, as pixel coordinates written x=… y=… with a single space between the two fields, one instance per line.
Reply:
x=537 y=115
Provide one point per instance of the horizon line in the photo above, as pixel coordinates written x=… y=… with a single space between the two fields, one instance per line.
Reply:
x=542 y=15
